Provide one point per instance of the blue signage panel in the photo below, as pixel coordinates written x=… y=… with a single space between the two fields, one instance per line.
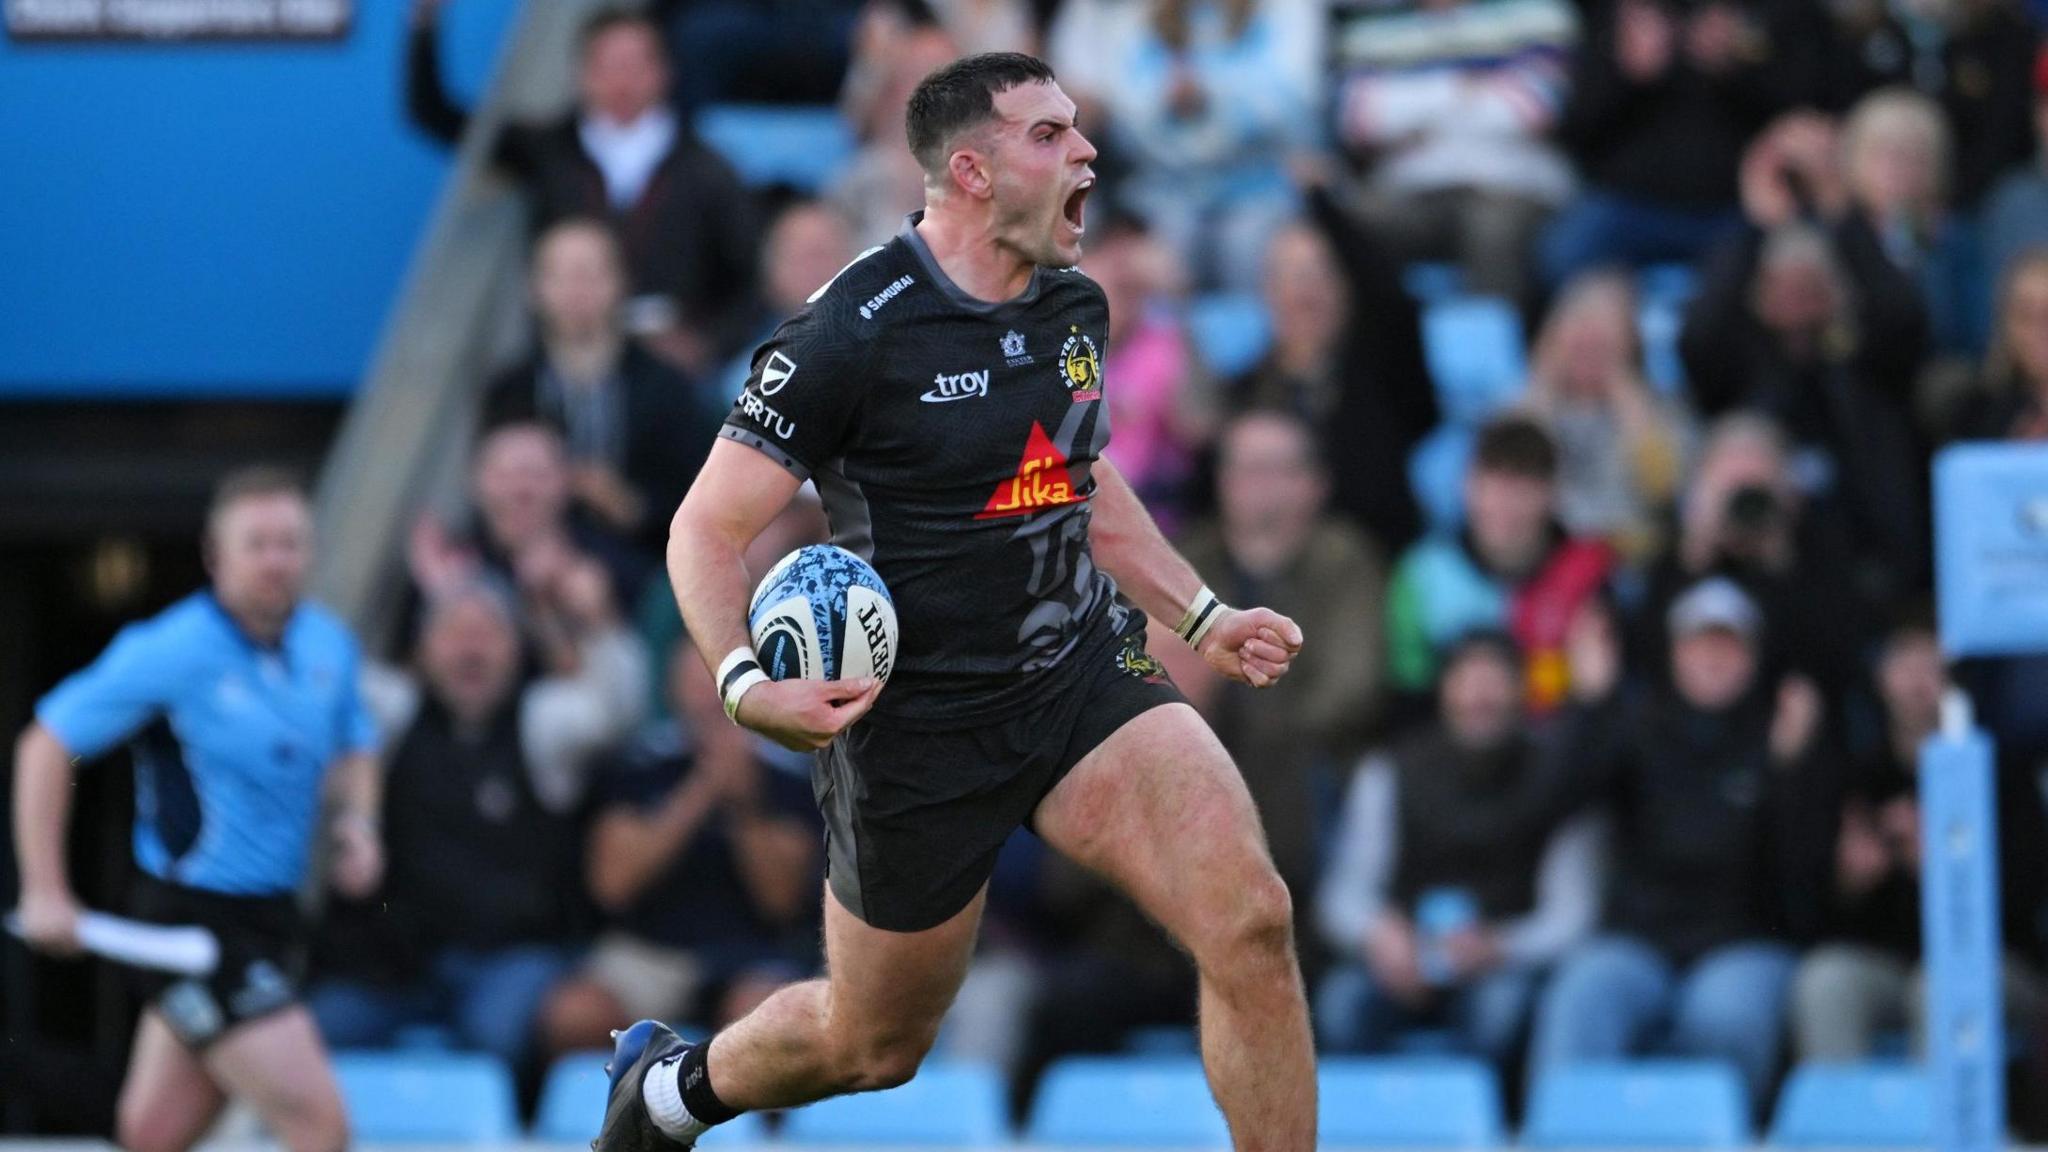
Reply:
x=1991 y=548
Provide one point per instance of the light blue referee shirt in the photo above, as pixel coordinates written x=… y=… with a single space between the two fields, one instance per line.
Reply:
x=232 y=739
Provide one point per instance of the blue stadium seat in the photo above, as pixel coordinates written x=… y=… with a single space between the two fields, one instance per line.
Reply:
x=957 y=1105
x=1428 y=283
x=572 y=1101
x=1408 y=1103
x=1127 y=1102
x=1641 y=1104
x=1164 y=1041
x=1855 y=1106
x=1474 y=348
x=427 y=1097
x=1668 y=283
x=1230 y=331
x=1436 y=474
x=769 y=144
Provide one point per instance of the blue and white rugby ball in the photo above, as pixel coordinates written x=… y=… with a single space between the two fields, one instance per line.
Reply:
x=823 y=614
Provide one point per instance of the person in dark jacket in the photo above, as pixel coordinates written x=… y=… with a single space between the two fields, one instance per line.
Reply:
x=1718 y=787
x=704 y=855
x=483 y=782
x=1665 y=95
x=1347 y=357
x=1865 y=978
x=1974 y=57
x=1452 y=886
x=635 y=430
x=624 y=155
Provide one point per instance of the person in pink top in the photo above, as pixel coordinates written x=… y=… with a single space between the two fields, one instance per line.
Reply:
x=1154 y=407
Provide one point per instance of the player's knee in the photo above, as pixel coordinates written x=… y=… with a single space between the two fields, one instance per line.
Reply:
x=137 y=1131
x=1255 y=929
x=310 y=1122
x=885 y=1063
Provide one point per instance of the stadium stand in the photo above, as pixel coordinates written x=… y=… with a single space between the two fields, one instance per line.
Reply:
x=1804 y=330
x=1408 y=1103
x=1854 y=1106
x=427 y=1097
x=1158 y=1102
x=1640 y=1104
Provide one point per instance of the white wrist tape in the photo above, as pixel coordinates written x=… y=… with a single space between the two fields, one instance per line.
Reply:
x=739 y=671
x=1200 y=617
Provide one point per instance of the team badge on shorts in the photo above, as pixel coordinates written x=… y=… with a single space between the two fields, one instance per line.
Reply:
x=1133 y=660
x=1080 y=367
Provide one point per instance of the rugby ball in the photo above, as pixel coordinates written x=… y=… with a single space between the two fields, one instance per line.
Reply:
x=821 y=613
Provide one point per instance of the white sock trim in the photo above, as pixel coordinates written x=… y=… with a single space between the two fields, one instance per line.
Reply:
x=663 y=1096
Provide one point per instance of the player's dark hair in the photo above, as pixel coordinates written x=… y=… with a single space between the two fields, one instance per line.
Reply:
x=1517 y=446
x=248 y=483
x=962 y=95
x=609 y=17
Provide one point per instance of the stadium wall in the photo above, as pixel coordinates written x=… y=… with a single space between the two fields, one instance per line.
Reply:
x=214 y=219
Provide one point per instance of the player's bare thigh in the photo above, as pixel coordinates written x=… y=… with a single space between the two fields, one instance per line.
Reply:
x=1160 y=809
x=895 y=987
x=866 y=1026
x=167 y=1099
x=278 y=1065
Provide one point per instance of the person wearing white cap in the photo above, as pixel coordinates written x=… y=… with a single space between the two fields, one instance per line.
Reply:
x=1719 y=794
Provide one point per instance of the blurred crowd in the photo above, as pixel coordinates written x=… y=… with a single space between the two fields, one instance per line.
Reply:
x=1604 y=737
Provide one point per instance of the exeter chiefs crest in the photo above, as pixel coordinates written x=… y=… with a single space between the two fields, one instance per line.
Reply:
x=1080 y=366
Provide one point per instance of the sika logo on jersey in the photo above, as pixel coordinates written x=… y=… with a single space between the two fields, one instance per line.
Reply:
x=962 y=387
x=875 y=302
x=1080 y=367
x=776 y=373
x=1041 y=481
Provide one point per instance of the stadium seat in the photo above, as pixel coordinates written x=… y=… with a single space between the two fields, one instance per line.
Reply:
x=1436 y=474
x=1641 y=1104
x=1230 y=331
x=1127 y=1102
x=1673 y=283
x=1855 y=1106
x=572 y=1101
x=769 y=144
x=1408 y=1103
x=427 y=1097
x=1428 y=283
x=1474 y=348
x=958 y=1105
x=1163 y=1041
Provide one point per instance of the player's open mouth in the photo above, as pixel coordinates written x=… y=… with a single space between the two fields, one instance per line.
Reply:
x=1075 y=209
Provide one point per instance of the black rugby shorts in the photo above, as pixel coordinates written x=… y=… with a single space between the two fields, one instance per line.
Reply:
x=904 y=852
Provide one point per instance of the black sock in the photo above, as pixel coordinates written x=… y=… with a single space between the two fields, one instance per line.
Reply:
x=693 y=1074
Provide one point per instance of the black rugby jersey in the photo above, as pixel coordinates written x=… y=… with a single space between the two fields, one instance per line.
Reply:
x=952 y=442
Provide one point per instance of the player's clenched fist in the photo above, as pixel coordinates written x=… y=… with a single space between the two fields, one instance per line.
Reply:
x=1252 y=646
x=805 y=715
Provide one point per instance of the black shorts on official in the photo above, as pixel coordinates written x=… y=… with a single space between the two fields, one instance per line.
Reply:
x=904 y=854
x=262 y=957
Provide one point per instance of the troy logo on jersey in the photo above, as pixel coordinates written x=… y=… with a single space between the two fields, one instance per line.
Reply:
x=1041 y=481
x=960 y=387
